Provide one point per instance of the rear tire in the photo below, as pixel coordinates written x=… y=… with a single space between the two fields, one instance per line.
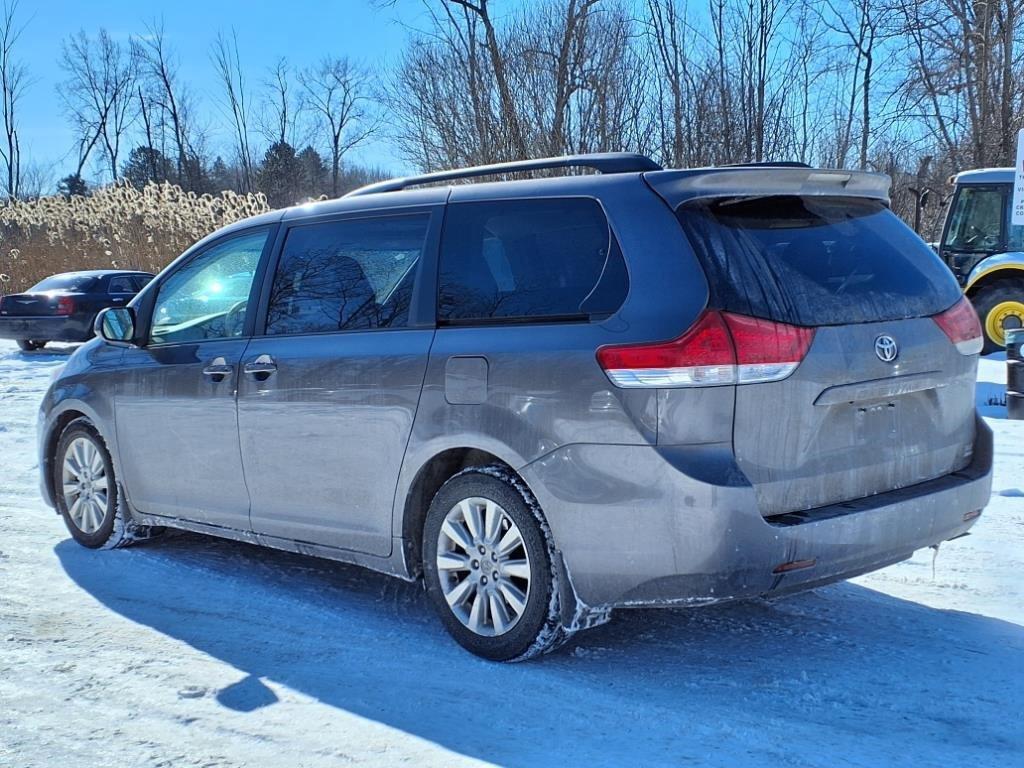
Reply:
x=87 y=493
x=487 y=566
x=999 y=305
x=27 y=345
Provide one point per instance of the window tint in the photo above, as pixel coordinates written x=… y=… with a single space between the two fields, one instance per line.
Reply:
x=207 y=298
x=976 y=221
x=120 y=284
x=347 y=275
x=815 y=261
x=529 y=259
x=70 y=282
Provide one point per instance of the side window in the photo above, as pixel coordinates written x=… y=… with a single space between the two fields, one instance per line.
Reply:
x=140 y=281
x=120 y=284
x=525 y=260
x=207 y=297
x=976 y=222
x=347 y=275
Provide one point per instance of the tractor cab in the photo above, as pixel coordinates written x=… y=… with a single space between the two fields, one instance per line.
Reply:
x=985 y=251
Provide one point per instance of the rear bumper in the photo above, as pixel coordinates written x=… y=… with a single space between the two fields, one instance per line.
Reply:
x=64 y=328
x=640 y=525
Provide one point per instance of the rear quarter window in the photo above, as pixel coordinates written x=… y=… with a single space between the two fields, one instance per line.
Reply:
x=543 y=259
x=815 y=260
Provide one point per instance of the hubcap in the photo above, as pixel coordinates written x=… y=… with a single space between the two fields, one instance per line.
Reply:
x=84 y=481
x=483 y=566
x=1002 y=317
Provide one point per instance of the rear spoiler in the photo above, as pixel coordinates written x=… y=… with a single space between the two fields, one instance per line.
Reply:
x=678 y=187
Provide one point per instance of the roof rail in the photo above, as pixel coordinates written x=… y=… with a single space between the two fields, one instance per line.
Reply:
x=769 y=164
x=603 y=162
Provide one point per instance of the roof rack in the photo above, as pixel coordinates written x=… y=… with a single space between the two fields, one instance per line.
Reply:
x=603 y=162
x=769 y=164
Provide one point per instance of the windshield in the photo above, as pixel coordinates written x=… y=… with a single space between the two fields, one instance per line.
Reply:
x=70 y=282
x=815 y=260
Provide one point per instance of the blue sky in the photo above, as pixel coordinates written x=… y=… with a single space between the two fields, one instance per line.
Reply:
x=303 y=31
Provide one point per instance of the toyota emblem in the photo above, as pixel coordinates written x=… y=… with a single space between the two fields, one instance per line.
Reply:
x=886 y=349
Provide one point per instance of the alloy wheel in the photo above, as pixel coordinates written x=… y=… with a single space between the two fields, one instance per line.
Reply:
x=85 y=485
x=483 y=566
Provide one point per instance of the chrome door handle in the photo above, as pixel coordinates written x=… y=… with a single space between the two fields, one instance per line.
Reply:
x=218 y=369
x=261 y=367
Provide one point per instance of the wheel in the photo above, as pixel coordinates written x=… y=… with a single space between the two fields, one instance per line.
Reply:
x=27 y=345
x=487 y=560
x=1000 y=307
x=87 y=494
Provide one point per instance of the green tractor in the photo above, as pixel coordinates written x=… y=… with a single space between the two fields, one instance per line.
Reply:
x=985 y=251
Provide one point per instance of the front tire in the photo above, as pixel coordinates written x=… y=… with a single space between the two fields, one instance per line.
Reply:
x=87 y=493
x=487 y=565
x=1000 y=307
x=28 y=345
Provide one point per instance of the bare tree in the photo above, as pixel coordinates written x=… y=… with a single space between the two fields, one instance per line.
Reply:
x=227 y=62
x=966 y=83
x=337 y=93
x=571 y=80
x=281 y=106
x=99 y=95
x=13 y=81
x=173 y=106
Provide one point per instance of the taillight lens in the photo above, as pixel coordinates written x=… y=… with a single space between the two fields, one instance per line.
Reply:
x=65 y=305
x=720 y=348
x=960 y=323
x=766 y=351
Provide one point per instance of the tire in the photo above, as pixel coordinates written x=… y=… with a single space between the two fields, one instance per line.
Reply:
x=101 y=520
x=27 y=345
x=531 y=627
x=999 y=303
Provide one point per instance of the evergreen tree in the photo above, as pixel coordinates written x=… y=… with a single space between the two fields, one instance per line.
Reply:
x=72 y=184
x=280 y=176
x=314 y=172
x=144 y=165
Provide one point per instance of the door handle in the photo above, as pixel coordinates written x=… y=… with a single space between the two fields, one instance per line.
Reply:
x=218 y=369
x=261 y=368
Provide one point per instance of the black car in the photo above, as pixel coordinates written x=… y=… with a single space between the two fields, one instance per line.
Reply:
x=63 y=307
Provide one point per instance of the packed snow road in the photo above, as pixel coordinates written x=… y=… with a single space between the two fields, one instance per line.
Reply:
x=190 y=651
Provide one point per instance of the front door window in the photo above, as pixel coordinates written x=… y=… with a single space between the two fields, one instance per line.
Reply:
x=208 y=297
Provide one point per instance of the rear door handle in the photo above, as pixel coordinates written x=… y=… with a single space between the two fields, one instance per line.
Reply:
x=261 y=368
x=218 y=369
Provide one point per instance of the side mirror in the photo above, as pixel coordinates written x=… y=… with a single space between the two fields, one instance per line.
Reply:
x=116 y=325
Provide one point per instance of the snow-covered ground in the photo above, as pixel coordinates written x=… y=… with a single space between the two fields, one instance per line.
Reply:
x=196 y=652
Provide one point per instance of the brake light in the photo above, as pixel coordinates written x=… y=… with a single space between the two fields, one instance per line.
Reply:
x=720 y=348
x=65 y=305
x=766 y=351
x=960 y=323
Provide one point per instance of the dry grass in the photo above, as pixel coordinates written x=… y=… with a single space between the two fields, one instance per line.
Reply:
x=115 y=228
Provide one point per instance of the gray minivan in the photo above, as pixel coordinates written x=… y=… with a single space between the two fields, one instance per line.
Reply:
x=548 y=398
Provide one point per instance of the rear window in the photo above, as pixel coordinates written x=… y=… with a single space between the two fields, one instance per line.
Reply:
x=529 y=260
x=815 y=260
x=64 y=283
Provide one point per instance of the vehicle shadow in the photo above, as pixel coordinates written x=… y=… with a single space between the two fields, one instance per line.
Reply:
x=50 y=351
x=842 y=676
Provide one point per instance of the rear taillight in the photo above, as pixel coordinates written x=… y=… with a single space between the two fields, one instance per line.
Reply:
x=960 y=323
x=65 y=305
x=720 y=348
x=766 y=351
